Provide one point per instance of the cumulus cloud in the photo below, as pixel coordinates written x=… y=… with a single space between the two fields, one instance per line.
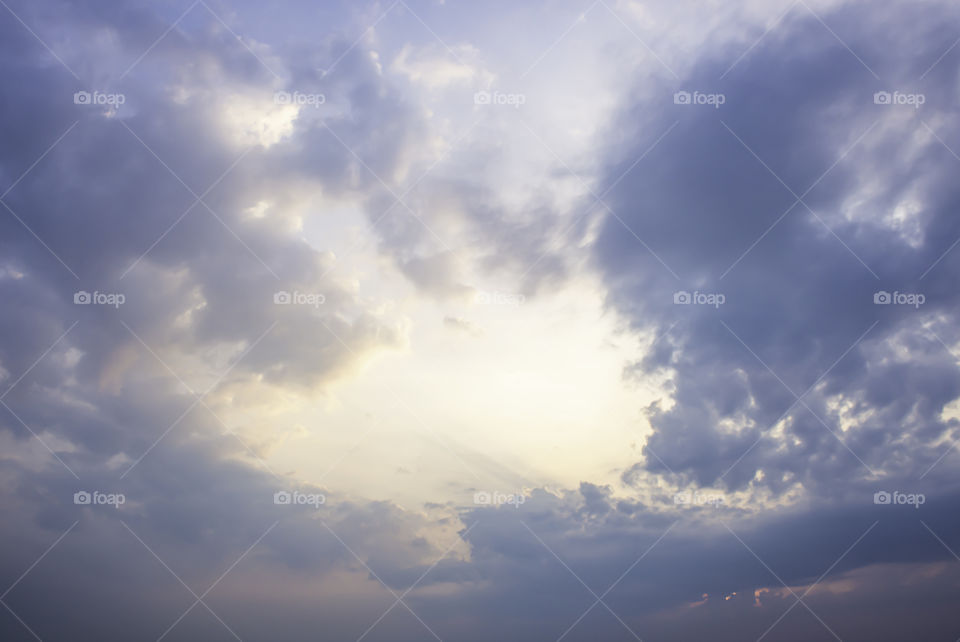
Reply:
x=786 y=375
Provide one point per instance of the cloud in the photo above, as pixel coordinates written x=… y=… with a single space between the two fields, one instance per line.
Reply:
x=152 y=200
x=764 y=201
x=435 y=68
x=230 y=310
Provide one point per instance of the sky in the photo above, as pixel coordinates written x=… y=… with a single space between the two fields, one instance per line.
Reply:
x=436 y=319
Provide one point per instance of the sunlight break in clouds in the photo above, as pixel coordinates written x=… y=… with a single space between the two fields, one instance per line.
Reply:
x=468 y=321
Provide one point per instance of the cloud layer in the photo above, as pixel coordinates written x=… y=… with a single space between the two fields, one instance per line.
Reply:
x=775 y=226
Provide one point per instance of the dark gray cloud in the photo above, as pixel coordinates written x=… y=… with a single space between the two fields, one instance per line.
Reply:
x=716 y=203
